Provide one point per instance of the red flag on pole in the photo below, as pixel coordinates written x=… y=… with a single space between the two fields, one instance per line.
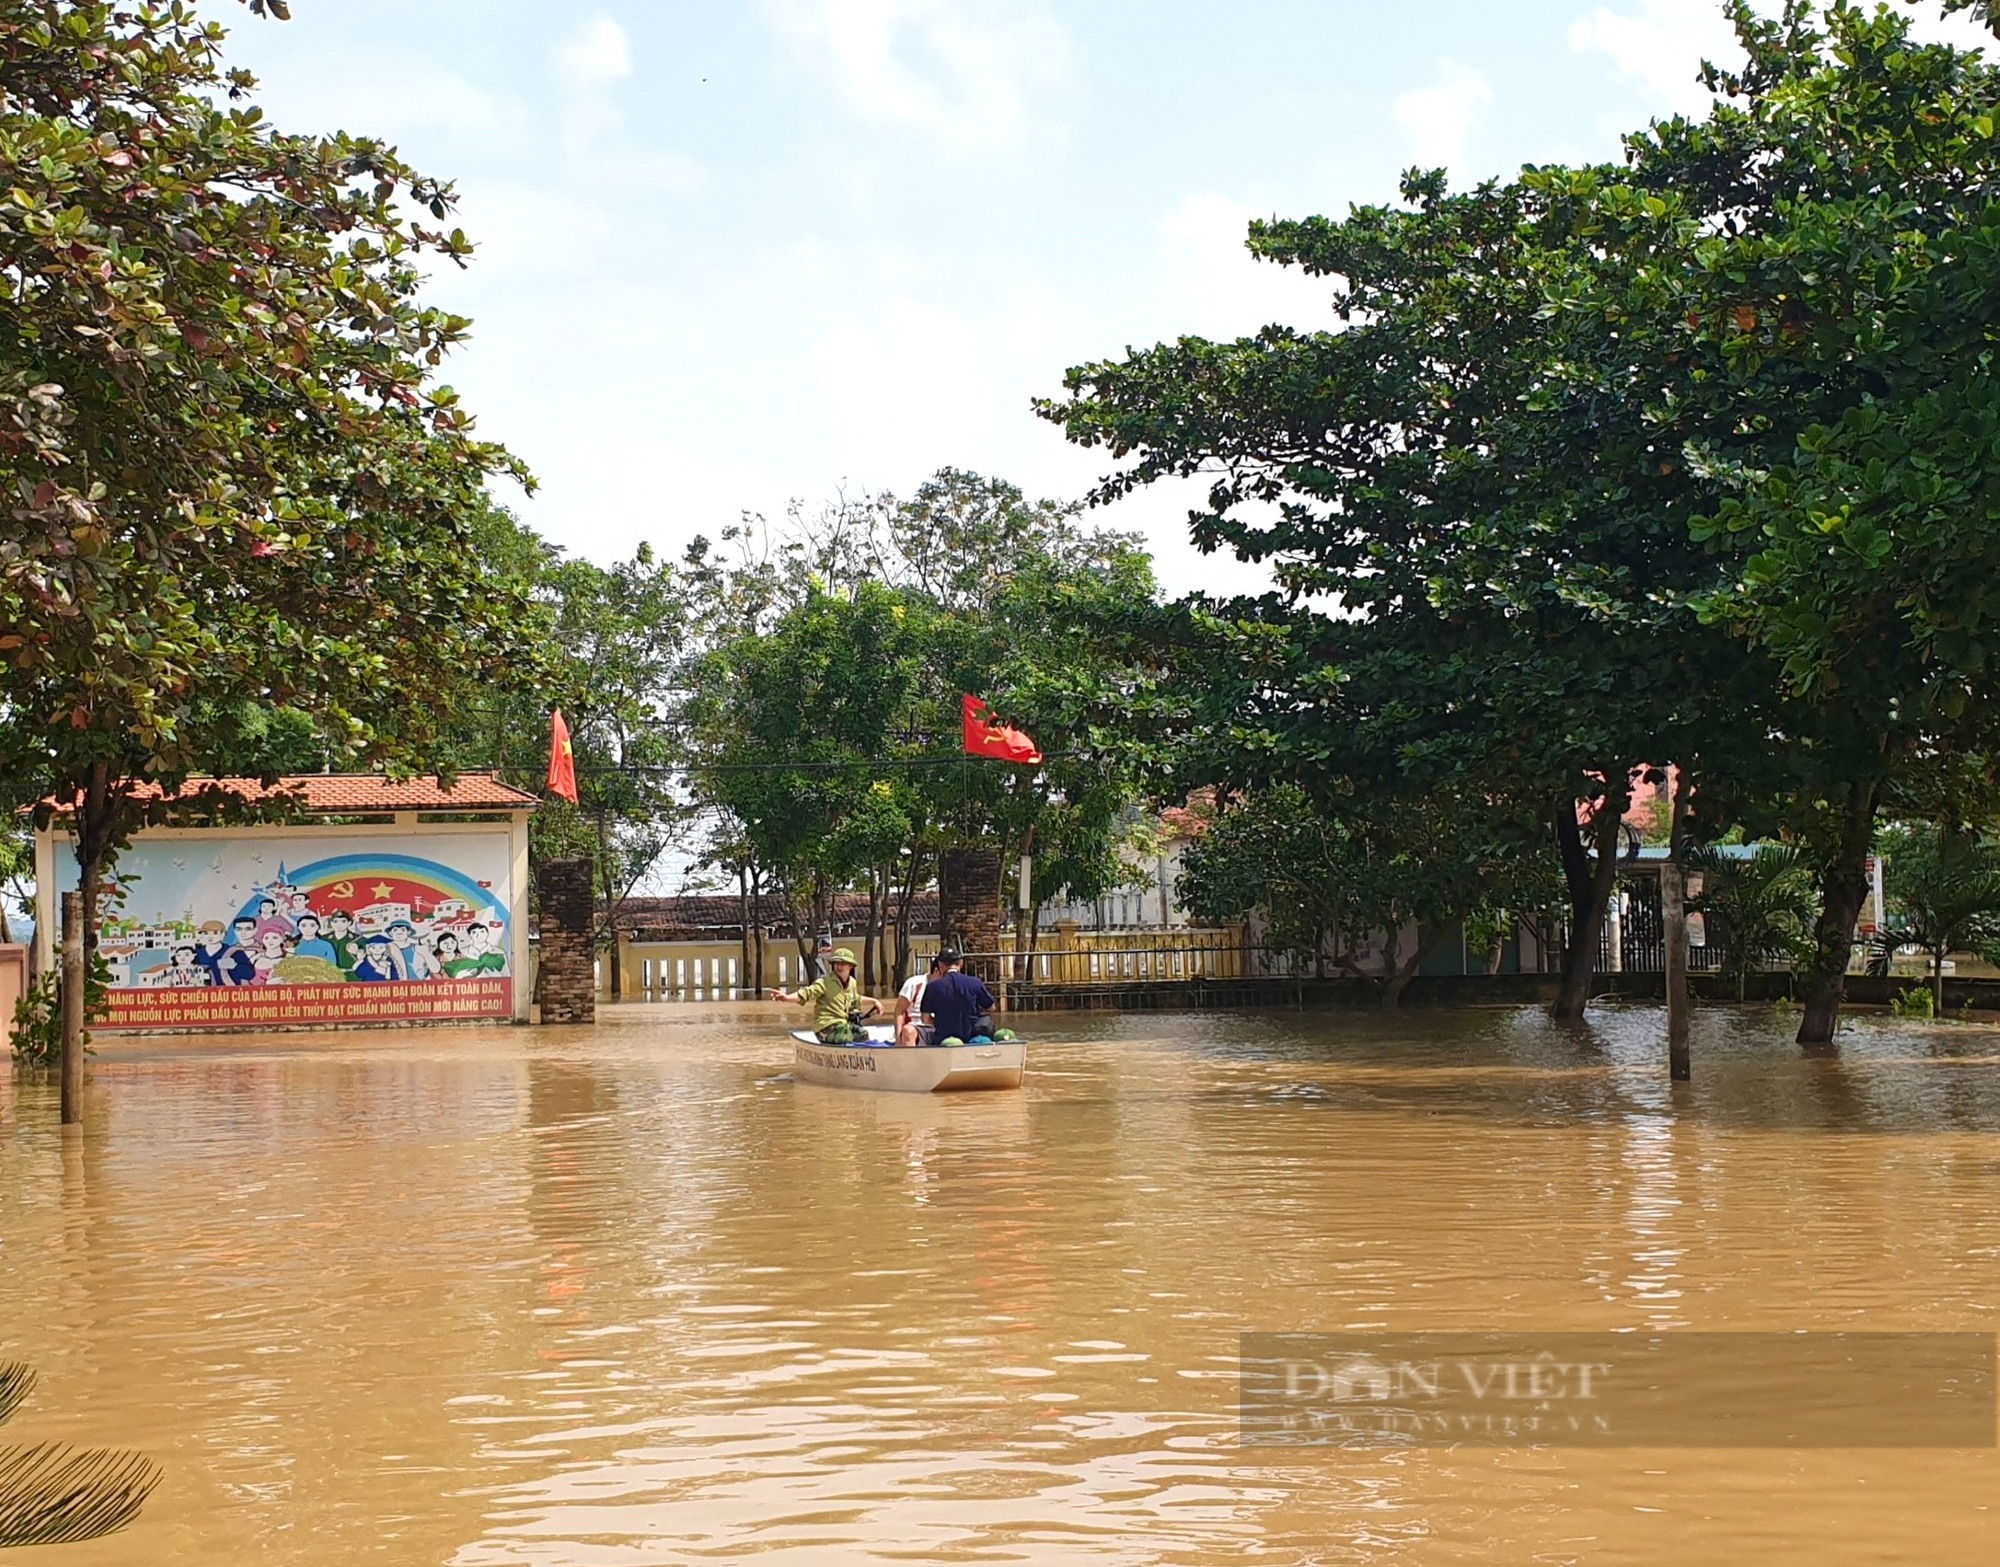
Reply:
x=562 y=759
x=983 y=737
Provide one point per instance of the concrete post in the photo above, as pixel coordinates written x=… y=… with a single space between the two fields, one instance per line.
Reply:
x=1673 y=926
x=567 y=980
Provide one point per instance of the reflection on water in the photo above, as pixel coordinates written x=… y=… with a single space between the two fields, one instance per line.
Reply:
x=632 y=1296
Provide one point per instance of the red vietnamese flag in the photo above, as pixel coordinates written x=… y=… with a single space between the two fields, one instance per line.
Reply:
x=986 y=738
x=562 y=759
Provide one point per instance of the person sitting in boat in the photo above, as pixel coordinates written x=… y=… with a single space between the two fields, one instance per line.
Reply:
x=956 y=1003
x=839 y=1008
x=910 y=1026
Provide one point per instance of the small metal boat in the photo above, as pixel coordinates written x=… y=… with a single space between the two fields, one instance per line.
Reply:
x=880 y=1066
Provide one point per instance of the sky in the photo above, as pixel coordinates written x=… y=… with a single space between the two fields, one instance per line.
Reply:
x=732 y=255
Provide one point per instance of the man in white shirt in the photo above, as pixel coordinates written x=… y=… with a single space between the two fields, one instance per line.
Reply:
x=910 y=1026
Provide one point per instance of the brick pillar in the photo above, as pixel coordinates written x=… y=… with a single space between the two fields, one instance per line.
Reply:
x=969 y=906
x=566 y=981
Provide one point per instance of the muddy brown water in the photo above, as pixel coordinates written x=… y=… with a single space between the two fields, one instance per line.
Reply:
x=630 y=1296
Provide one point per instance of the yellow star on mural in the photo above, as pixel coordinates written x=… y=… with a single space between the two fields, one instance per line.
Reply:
x=383 y=892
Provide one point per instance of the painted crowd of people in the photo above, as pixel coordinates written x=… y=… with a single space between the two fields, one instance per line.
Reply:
x=264 y=949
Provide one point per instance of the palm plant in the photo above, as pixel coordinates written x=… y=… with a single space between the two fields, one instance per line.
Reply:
x=1759 y=905
x=52 y=1494
x=1945 y=890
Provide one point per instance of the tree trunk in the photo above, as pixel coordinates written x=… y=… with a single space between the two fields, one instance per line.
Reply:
x=74 y=988
x=96 y=830
x=1673 y=929
x=604 y=869
x=743 y=928
x=872 y=942
x=906 y=898
x=1937 y=983
x=1843 y=887
x=1399 y=981
x=1590 y=893
x=757 y=915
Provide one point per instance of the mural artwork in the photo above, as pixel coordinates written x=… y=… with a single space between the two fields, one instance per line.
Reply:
x=245 y=931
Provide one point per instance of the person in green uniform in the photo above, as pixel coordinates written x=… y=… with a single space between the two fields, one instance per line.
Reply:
x=839 y=1008
x=477 y=954
x=346 y=945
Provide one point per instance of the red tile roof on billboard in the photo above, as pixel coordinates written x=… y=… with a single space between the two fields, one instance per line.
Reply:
x=360 y=794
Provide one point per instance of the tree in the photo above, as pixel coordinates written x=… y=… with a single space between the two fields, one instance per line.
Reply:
x=236 y=488
x=965 y=587
x=1682 y=457
x=1467 y=472
x=1324 y=884
x=1756 y=906
x=1834 y=289
x=614 y=656
x=793 y=728
x=17 y=870
x=1944 y=895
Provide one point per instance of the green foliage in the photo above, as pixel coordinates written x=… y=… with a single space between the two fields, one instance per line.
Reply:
x=1756 y=908
x=1689 y=457
x=37 y=1041
x=1324 y=885
x=614 y=654
x=797 y=719
x=1944 y=894
x=825 y=717
x=1915 y=1002
x=239 y=490
x=17 y=873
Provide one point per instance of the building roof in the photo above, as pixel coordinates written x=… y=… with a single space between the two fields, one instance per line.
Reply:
x=719 y=916
x=356 y=794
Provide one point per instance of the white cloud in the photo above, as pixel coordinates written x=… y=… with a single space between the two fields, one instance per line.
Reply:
x=1439 y=118
x=1216 y=288
x=905 y=392
x=396 y=103
x=967 y=71
x=1658 y=49
x=588 y=64
x=595 y=57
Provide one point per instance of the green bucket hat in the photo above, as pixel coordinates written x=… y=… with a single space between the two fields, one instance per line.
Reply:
x=843 y=955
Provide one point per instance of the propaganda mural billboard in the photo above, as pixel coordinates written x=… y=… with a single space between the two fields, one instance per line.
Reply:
x=214 y=930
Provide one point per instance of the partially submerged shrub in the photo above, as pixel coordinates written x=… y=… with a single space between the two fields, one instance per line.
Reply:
x=1915 y=1002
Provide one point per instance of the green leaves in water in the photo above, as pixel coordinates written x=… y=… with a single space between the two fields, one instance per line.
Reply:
x=52 y=1494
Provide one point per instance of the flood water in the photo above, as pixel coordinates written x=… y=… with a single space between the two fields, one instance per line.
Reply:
x=631 y=1296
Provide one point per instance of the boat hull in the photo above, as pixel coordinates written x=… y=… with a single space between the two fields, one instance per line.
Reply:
x=887 y=1069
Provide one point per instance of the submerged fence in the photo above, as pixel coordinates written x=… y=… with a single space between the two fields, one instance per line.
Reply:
x=717 y=970
x=1064 y=957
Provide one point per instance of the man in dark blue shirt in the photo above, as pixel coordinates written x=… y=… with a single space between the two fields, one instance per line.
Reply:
x=956 y=1003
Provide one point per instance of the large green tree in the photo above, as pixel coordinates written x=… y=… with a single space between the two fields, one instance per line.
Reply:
x=614 y=653
x=1836 y=296
x=966 y=586
x=235 y=484
x=1481 y=544
x=800 y=728
x=1680 y=459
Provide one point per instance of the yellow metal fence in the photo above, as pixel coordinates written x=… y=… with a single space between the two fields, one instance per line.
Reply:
x=715 y=970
